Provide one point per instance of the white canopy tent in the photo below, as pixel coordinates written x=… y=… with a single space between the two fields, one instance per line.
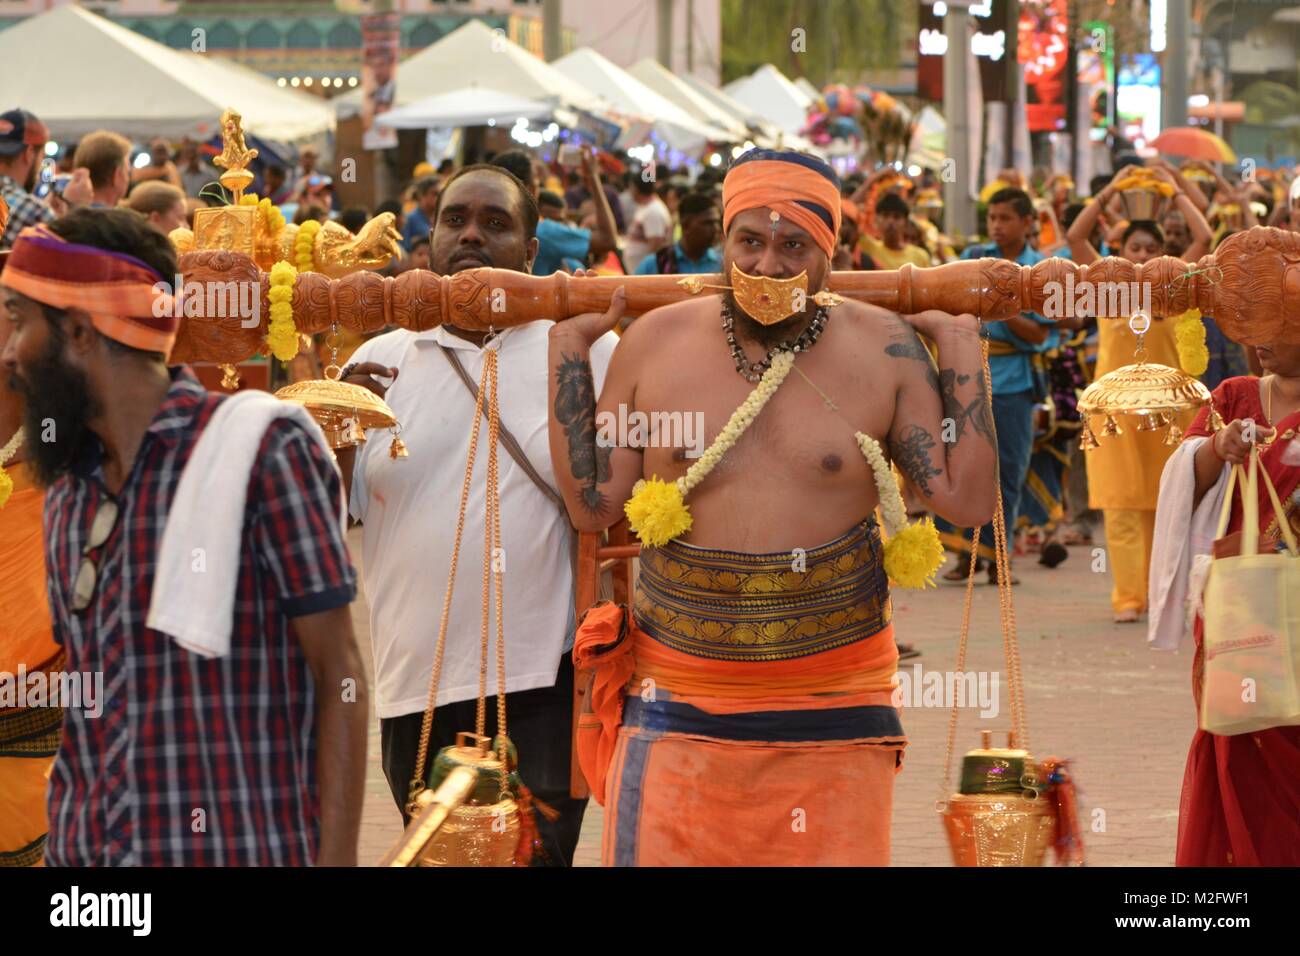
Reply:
x=628 y=95
x=79 y=72
x=677 y=91
x=765 y=133
x=469 y=106
x=475 y=55
x=804 y=86
x=769 y=93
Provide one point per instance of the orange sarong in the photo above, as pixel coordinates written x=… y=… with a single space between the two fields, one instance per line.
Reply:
x=742 y=714
x=29 y=736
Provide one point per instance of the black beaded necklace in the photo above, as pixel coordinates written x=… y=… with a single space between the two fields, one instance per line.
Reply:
x=753 y=371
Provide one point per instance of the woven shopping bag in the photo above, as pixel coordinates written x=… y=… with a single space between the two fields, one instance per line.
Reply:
x=1251 y=639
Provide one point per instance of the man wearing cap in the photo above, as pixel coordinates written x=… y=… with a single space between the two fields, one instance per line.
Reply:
x=22 y=146
x=742 y=712
x=197 y=572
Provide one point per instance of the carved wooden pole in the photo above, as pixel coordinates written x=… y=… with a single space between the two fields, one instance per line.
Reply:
x=1249 y=286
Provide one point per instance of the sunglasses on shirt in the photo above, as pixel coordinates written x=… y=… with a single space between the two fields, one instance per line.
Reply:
x=83 y=588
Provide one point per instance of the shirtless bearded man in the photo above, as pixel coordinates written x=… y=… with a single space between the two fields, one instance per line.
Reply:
x=741 y=714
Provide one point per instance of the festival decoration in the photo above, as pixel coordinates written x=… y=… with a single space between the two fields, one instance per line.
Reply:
x=252 y=228
x=1152 y=393
x=1251 y=284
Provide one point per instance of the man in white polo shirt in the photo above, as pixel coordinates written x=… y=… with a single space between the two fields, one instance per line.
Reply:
x=408 y=509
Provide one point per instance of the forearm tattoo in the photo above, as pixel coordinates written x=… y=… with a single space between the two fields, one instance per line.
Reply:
x=911 y=452
x=575 y=409
x=976 y=412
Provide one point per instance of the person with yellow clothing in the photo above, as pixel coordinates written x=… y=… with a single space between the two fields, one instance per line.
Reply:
x=1124 y=472
x=892 y=250
x=29 y=735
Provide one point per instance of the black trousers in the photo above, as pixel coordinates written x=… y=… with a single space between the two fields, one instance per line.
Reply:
x=540 y=723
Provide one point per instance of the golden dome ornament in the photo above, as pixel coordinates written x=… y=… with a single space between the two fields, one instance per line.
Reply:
x=1152 y=393
x=343 y=411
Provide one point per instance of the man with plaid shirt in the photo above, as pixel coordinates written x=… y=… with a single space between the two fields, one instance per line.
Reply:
x=22 y=145
x=251 y=756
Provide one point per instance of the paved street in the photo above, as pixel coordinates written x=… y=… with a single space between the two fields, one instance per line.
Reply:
x=1094 y=693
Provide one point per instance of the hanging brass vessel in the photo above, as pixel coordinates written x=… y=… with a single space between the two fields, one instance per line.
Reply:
x=1001 y=816
x=343 y=411
x=484 y=829
x=1154 y=393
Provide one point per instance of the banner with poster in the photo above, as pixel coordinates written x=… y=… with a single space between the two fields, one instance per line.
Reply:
x=1096 y=72
x=380 y=46
x=1044 y=51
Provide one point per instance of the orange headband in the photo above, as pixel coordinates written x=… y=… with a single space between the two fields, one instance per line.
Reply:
x=791 y=188
x=126 y=299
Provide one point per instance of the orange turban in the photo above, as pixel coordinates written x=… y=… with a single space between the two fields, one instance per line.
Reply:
x=798 y=187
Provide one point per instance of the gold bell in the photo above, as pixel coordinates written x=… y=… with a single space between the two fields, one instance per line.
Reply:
x=1174 y=436
x=1088 y=441
x=229 y=377
x=397 y=449
x=1150 y=422
x=1111 y=428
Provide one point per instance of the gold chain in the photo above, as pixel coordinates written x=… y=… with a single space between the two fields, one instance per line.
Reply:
x=498 y=569
x=1007 y=609
x=1007 y=616
x=417 y=780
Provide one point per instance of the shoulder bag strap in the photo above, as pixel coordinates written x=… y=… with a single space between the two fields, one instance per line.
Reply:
x=508 y=440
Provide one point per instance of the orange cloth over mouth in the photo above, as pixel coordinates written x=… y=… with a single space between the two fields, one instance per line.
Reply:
x=799 y=188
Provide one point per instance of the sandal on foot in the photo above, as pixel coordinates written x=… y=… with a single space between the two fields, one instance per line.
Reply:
x=1053 y=554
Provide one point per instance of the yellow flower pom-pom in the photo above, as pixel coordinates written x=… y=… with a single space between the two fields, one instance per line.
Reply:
x=282 y=332
x=914 y=555
x=305 y=244
x=1189 y=333
x=656 y=512
x=6 y=487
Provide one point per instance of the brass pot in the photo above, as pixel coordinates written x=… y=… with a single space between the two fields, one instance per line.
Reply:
x=999 y=829
x=484 y=830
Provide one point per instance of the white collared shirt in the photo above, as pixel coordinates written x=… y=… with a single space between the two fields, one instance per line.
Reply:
x=409 y=507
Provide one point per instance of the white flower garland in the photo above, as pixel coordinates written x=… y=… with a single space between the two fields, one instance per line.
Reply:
x=892 y=508
x=740 y=420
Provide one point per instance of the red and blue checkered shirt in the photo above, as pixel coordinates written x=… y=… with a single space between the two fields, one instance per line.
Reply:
x=193 y=761
x=24 y=210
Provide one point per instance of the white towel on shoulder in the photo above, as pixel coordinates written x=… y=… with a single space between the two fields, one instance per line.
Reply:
x=1184 y=537
x=197 y=607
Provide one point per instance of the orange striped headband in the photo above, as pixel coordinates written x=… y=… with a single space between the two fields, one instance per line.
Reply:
x=126 y=299
x=798 y=187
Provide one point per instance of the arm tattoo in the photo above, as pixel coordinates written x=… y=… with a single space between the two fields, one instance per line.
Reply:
x=976 y=412
x=575 y=409
x=907 y=344
x=912 y=453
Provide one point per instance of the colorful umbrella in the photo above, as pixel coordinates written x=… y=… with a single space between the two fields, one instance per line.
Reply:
x=1194 y=143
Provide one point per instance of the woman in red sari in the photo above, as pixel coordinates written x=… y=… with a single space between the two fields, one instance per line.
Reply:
x=1241 y=794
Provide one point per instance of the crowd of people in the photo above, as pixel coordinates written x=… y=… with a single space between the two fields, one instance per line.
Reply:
x=92 y=521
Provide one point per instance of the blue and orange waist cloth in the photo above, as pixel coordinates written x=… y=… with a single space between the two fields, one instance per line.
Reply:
x=740 y=674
